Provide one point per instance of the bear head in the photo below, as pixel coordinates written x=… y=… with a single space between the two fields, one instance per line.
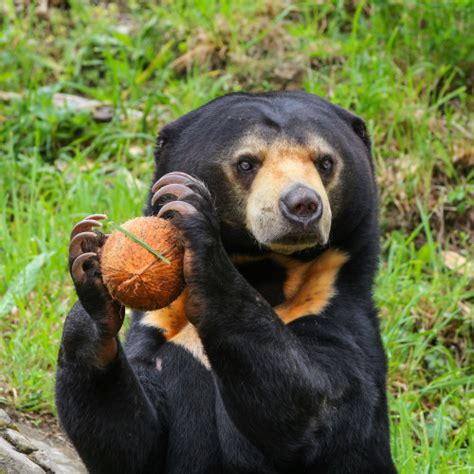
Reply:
x=290 y=172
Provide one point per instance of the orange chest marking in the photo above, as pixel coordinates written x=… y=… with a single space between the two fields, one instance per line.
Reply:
x=171 y=319
x=308 y=289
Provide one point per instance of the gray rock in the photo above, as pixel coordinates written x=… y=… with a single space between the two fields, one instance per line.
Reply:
x=5 y=420
x=25 y=449
x=42 y=459
x=20 y=442
x=53 y=456
x=13 y=462
x=103 y=113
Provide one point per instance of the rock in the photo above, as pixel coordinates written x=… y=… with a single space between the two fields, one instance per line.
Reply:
x=5 y=420
x=21 y=443
x=13 y=462
x=42 y=459
x=25 y=450
x=51 y=455
x=103 y=113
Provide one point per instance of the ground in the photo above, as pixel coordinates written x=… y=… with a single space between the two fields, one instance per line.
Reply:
x=406 y=67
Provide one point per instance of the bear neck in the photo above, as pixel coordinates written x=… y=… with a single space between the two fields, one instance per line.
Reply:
x=270 y=273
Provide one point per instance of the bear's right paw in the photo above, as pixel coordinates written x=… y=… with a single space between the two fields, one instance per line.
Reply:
x=84 y=266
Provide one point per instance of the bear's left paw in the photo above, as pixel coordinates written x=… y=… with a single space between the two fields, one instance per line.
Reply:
x=187 y=202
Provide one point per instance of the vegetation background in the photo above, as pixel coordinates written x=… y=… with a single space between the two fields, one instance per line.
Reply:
x=404 y=66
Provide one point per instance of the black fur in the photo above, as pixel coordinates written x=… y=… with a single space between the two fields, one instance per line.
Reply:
x=306 y=397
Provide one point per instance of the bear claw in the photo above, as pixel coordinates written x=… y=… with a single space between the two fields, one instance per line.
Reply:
x=77 y=269
x=76 y=247
x=177 y=190
x=181 y=207
x=175 y=177
x=87 y=223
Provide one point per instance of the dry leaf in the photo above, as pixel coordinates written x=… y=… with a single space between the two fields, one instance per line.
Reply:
x=457 y=263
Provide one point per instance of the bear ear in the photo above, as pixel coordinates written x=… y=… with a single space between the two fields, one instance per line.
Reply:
x=160 y=141
x=171 y=131
x=356 y=123
x=164 y=136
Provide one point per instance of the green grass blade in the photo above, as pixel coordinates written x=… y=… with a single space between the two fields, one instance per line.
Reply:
x=139 y=241
x=23 y=283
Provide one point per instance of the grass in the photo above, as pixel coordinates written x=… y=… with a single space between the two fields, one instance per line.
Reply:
x=406 y=67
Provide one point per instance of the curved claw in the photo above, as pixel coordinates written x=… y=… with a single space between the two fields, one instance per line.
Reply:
x=181 y=207
x=176 y=177
x=84 y=226
x=96 y=217
x=181 y=173
x=178 y=190
x=75 y=246
x=76 y=270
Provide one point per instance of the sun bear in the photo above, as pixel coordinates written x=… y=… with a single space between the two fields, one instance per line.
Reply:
x=271 y=359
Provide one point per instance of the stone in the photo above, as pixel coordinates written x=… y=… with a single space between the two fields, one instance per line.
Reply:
x=54 y=456
x=42 y=459
x=13 y=462
x=28 y=450
x=20 y=442
x=5 y=420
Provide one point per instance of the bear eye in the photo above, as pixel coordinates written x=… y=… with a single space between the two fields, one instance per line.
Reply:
x=246 y=165
x=326 y=164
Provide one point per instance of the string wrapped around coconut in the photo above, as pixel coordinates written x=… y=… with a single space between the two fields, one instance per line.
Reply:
x=136 y=276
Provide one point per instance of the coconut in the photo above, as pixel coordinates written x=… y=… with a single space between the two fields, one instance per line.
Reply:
x=137 y=277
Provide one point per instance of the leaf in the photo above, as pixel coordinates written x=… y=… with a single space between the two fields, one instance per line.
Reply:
x=23 y=283
x=457 y=263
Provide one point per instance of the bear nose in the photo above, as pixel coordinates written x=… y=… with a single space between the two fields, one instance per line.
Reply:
x=301 y=205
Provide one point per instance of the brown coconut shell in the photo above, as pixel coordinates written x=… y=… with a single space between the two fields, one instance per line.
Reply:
x=134 y=275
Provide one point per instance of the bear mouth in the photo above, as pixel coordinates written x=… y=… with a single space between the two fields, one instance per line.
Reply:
x=288 y=249
x=292 y=243
x=242 y=240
